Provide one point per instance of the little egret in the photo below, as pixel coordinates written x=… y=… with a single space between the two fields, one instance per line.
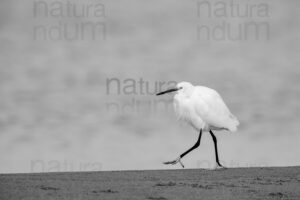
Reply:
x=204 y=109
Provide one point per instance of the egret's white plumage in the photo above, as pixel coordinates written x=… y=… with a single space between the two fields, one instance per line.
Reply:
x=205 y=110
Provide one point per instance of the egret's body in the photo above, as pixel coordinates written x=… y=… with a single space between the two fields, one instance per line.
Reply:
x=204 y=109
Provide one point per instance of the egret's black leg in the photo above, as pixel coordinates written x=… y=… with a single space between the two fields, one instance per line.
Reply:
x=216 y=148
x=173 y=162
x=193 y=147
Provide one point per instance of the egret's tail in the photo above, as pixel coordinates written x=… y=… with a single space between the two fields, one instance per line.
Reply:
x=234 y=122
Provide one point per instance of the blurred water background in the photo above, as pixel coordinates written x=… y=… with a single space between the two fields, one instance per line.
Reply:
x=77 y=102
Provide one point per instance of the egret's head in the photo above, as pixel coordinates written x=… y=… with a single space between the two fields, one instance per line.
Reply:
x=184 y=87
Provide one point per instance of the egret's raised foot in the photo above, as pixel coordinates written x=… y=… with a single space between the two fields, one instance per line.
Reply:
x=173 y=162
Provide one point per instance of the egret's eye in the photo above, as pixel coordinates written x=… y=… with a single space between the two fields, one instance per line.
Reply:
x=180 y=88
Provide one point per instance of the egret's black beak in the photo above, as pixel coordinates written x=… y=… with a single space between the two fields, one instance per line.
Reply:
x=167 y=91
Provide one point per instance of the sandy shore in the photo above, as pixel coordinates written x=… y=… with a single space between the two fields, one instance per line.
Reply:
x=238 y=183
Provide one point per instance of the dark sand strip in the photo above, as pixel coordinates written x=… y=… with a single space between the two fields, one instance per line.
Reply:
x=239 y=183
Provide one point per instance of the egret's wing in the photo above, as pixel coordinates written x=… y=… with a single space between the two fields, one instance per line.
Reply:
x=212 y=109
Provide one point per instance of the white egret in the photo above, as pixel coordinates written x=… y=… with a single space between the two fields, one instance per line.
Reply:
x=204 y=109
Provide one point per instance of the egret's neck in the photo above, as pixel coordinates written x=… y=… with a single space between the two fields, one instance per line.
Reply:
x=187 y=92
